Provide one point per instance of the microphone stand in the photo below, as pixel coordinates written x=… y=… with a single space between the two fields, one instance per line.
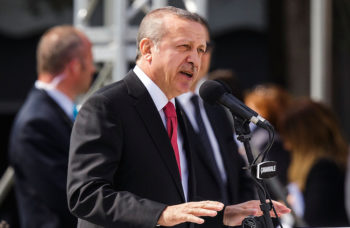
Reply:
x=244 y=135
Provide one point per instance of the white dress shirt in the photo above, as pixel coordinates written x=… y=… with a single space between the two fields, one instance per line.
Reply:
x=160 y=100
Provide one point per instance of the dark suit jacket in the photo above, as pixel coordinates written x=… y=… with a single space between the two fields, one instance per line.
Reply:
x=122 y=170
x=38 y=151
x=240 y=187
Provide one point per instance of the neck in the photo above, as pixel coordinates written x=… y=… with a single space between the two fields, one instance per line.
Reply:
x=66 y=90
x=62 y=86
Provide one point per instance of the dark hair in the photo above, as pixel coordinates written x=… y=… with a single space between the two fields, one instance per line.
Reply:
x=57 y=47
x=152 y=24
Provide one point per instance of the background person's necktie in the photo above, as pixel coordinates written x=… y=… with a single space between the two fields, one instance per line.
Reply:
x=171 y=125
x=75 y=111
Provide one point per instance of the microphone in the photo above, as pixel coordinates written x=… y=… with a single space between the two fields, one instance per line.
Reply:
x=214 y=92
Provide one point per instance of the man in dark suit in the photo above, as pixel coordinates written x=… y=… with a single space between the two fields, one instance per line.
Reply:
x=129 y=166
x=218 y=166
x=40 y=136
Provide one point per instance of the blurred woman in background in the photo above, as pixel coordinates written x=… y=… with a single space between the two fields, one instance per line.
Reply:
x=318 y=161
x=270 y=101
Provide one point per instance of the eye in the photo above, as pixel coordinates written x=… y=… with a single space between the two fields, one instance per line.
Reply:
x=184 y=47
x=201 y=50
x=187 y=46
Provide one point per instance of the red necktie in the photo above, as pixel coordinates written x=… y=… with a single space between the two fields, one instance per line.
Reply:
x=171 y=125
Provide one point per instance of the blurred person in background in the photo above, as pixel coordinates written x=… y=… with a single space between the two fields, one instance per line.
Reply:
x=217 y=164
x=319 y=153
x=229 y=78
x=39 y=141
x=270 y=100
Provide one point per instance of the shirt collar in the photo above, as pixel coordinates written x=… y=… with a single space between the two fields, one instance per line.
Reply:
x=157 y=95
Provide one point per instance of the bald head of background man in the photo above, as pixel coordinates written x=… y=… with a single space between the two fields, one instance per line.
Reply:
x=64 y=60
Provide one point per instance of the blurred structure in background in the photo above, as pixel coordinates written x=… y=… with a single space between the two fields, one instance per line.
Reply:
x=301 y=45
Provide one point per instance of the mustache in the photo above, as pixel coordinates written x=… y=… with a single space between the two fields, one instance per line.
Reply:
x=189 y=68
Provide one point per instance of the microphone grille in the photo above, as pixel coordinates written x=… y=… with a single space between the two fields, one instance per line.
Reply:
x=211 y=91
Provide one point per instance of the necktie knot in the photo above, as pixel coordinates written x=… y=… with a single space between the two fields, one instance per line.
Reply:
x=169 y=110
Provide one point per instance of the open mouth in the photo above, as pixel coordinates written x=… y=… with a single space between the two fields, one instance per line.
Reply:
x=187 y=73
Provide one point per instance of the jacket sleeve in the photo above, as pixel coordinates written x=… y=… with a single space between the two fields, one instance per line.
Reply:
x=95 y=153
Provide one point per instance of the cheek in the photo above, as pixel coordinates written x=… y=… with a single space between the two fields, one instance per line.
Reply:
x=205 y=61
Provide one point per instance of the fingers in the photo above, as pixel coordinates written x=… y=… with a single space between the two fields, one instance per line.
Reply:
x=193 y=219
x=281 y=209
x=211 y=205
x=234 y=214
x=200 y=212
x=189 y=212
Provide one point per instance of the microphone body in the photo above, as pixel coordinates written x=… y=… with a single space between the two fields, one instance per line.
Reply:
x=232 y=103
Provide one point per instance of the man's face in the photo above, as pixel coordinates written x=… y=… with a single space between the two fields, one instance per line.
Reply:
x=176 y=58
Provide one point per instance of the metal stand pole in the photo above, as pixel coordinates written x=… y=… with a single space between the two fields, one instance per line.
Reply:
x=244 y=135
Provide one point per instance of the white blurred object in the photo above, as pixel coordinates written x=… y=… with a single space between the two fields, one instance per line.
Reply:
x=297 y=199
x=287 y=221
x=6 y=183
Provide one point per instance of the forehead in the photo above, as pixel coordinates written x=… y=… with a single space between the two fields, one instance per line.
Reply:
x=181 y=28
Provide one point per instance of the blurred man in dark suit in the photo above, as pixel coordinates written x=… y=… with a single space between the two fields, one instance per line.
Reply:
x=218 y=165
x=40 y=136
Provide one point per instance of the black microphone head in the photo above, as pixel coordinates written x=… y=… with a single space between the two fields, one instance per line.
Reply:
x=211 y=91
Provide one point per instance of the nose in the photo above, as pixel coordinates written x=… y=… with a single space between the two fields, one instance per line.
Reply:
x=195 y=59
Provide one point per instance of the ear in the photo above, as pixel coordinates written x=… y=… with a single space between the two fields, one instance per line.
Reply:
x=74 y=66
x=146 y=49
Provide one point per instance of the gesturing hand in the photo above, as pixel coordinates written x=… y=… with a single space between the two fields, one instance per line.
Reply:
x=234 y=214
x=189 y=212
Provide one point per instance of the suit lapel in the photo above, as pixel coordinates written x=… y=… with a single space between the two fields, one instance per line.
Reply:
x=150 y=116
